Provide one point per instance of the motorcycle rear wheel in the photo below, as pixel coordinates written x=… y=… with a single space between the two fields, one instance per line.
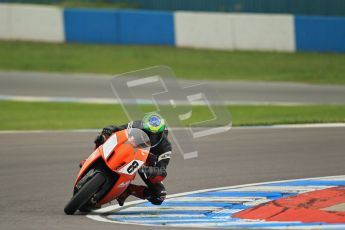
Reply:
x=84 y=194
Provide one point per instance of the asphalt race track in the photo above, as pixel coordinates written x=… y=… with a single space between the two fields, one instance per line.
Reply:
x=37 y=169
x=98 y=86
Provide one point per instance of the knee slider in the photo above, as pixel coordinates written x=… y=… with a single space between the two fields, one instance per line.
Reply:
x=158 y=199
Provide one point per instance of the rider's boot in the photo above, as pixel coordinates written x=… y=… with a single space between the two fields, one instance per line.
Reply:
x=134 y=190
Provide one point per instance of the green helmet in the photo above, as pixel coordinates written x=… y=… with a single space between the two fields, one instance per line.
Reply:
x=153 y=123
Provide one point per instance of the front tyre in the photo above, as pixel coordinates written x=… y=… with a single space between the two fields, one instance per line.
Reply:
x=84 y=194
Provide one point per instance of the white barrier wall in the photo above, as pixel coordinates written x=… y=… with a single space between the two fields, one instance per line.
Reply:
x=34 y=22
x=192 y=29
x=264 y=32
x=4 y=22
x=235 y=31
x=204 y=30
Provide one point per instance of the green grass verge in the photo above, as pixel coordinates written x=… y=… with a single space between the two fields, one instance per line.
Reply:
x=187 y=63
x=51 y=116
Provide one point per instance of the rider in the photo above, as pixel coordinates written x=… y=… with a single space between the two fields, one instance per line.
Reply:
x=154 y=172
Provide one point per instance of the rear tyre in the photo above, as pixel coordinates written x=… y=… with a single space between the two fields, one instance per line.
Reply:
x=84 y=194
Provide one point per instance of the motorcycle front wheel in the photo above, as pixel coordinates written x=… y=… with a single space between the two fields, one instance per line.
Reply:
x=84 y=194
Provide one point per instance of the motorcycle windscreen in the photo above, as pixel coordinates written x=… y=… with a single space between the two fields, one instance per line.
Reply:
x=138 y=139
x=140 y=143
x=129 y=155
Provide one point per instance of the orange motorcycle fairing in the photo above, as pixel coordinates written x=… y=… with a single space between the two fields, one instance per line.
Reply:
x=88 y=163
x=127 y=172
x=119 y=187
x=122 y=156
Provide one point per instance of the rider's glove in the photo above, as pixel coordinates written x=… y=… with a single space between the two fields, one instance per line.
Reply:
x=108 y=131
x=104 y=135
x=99 y=140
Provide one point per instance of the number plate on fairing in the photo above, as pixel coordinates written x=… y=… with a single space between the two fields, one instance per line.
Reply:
x=132 y=167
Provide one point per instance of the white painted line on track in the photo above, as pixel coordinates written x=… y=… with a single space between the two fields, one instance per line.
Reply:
x=194 y=208
x=50 y=131
x=142 y=101
x=263 y=188
x=295 y=126
x=162 y=215
x=216 y=199
x=88 y=100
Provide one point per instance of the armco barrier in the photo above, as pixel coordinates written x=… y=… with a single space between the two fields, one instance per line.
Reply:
x=31 y=22
x=235 y=31
x=119 y=27
x=320 y=33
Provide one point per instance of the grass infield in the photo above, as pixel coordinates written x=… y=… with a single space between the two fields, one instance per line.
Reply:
x=55 y=116
x=316 y=68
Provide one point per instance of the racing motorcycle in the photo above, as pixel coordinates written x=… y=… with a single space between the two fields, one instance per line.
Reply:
x=109 y=170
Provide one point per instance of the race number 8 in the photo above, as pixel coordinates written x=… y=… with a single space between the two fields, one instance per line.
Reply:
x=132 y=167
